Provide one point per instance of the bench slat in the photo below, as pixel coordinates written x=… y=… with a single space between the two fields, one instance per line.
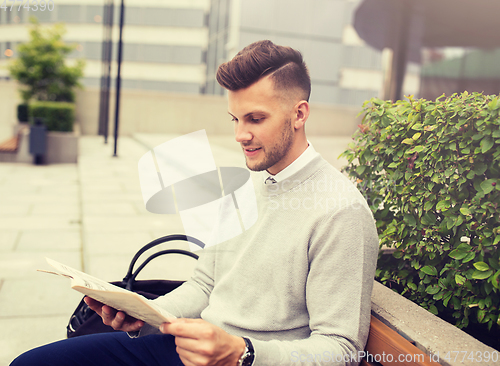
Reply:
x=10 y=145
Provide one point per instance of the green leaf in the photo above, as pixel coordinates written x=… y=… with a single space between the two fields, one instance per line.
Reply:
x=447 y=298
x=487 y=186
x=494 y=104
x=429 y=219
x=433 y=310
x=397 y=254
x=480 y=168
x=480 y=275
x=432 y=289
x=450 y=222
x=496 y=280
x=486 y=144
x=412 y=286
x=430 y=270
x=459 y=279
x=497 y=240
x=443 y=205
x=361 y=169
x=449 y=171
x=469 y=257
x=416 y=136
x=428 y=206
x=408 y=141
x=465 y=211
x=458 y=254
x=409 y=219
x=480 y=315
x=481 y=266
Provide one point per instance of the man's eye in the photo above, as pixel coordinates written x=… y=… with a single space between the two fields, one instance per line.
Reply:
x=256 y=120
x=234 y=120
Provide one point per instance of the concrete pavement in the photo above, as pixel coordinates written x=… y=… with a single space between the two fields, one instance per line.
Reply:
x=90 y=216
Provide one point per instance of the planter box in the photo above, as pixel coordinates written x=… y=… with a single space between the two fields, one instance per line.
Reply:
x=62 y=147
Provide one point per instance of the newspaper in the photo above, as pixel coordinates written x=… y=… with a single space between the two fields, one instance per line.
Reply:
x=127 y=301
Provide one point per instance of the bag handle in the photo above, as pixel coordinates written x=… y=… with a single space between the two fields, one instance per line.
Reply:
x=130 y=276
x=131 y=280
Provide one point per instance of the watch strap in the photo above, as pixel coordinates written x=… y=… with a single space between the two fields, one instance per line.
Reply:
x=248 y=355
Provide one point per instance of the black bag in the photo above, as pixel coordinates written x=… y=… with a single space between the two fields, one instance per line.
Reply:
x=85 y=321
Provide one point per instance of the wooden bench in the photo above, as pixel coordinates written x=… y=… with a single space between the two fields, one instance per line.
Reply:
x=386 y=347
x=11 y=145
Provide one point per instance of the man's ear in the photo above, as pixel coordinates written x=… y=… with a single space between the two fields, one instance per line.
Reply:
x=301 y=113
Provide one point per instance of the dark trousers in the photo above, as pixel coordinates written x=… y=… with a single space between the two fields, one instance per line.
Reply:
x=107 y=349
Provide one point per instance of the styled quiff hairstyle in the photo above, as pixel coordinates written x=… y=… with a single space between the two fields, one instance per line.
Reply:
x=264 y=58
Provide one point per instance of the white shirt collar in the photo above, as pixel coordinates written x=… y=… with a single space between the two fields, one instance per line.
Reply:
x=305 y=158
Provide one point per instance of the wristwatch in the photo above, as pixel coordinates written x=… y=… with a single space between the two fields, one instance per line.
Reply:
x=248 y=355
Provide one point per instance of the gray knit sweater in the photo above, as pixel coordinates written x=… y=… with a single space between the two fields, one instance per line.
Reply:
x=298 y=283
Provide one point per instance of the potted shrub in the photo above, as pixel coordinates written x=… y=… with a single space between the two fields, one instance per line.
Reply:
x=47 y=87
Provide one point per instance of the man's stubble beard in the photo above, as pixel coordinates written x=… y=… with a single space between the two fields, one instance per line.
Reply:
x=277 y=151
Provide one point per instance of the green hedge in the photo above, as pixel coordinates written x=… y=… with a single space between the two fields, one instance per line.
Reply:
x=57 y=116
x=430 y=171
x=22 y=112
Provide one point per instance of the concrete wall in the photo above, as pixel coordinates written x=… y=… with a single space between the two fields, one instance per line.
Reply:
x=161 y=112
x=9 y=99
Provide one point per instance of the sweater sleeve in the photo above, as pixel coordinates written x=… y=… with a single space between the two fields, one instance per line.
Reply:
x=189 y=299
x=342 y=253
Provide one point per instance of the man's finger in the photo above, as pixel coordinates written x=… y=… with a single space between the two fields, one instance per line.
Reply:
x=190 y=358
x=188 y=328
x=133 y=326
x=108 y=314
x=188 y=344
x=93 y=304
x=117 y=322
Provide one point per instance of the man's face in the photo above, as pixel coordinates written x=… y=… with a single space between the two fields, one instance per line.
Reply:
x=263 y=126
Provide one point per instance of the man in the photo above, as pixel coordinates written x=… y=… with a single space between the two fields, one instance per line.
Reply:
x=296 y=286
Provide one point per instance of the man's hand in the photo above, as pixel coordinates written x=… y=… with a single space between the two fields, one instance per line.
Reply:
x=118 y=320
x=200 y=343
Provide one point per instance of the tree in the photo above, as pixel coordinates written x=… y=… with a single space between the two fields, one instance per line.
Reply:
x=41 y=68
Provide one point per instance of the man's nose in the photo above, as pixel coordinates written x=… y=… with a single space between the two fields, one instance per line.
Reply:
x=242 y=133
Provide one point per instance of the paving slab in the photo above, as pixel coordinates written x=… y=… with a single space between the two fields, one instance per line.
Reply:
x=15 y=209
x=49 y=240
x=8 y=239
x=110 y=242
x=17 y=265
x=48 y=295
x=22 y=334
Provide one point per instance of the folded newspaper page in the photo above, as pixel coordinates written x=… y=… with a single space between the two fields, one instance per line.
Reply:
x=124 y=300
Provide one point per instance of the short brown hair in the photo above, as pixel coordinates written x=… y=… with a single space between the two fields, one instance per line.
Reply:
x=263 y=58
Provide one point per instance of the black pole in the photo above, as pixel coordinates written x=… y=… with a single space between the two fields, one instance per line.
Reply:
x=103 y=72
x=118 y=76
x=106 y=57
x=109 y=57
